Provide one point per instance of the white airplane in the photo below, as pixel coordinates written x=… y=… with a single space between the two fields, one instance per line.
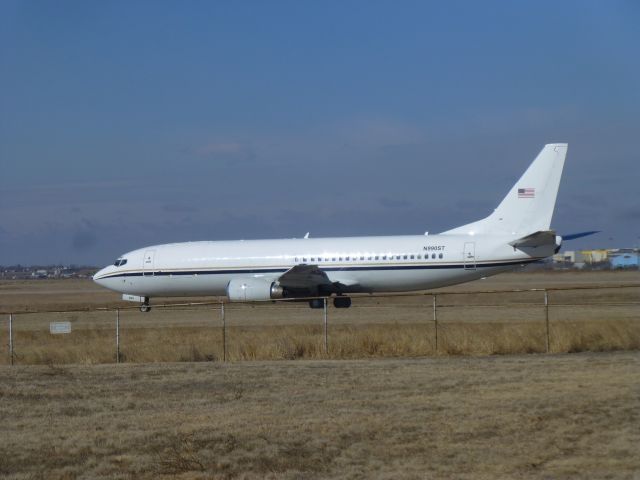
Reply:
x=517 y=232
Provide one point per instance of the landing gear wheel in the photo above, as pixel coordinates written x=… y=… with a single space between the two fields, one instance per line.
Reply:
x=316 y=303
x=342 y=302
x=145 y=307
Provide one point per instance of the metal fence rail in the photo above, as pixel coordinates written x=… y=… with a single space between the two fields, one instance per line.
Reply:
x=434 y=323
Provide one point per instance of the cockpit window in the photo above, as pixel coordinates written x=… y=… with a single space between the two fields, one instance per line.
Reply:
x=119 y=262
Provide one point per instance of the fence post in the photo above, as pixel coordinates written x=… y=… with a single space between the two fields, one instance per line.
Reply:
x=224 y=332
x=546 y=318
x=117 y=335
x=435 y=319
x=11 y=338
x=326 y=334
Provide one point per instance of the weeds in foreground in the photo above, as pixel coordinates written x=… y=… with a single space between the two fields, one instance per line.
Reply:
x=291 y=342
x=179 y=456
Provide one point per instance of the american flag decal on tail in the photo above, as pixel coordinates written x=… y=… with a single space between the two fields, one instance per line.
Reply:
x=526 y=193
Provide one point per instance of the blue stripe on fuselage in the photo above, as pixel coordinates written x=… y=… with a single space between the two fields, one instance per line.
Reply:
x=150 y=273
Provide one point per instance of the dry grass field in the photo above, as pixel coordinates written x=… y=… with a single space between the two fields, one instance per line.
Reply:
x=290 y=342
x=462 y=412
x=469 y=323
x=525 y=417
x=82 y=294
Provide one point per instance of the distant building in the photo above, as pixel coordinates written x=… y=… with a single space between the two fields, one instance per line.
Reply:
x=20 y=272
x=566 y=257
x=569 y=259
x=625 y=259
x=598 y=259
x=594 y=256
x=40 y=274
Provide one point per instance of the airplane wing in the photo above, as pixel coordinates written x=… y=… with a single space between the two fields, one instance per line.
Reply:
x=305 y=278
x=311 y=280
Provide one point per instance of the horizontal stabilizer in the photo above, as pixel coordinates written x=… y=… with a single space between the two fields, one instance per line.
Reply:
x=573 y=236
x=537 y=239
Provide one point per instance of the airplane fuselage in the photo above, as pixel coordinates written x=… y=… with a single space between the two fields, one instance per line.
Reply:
x=358 y=264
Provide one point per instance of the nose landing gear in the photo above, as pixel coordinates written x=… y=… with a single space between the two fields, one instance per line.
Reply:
x=145 y=307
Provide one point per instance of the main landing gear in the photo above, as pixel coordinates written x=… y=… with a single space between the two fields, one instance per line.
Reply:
x=145 y=307
x=342 y=302
x=338 y=302
x=316 y=303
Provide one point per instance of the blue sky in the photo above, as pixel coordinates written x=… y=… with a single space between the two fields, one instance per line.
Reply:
x=124 y=124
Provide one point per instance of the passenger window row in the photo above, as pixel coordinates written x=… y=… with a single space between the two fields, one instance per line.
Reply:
x=372 y=257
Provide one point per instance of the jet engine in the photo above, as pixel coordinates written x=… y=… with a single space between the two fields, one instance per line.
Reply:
x=253 y=289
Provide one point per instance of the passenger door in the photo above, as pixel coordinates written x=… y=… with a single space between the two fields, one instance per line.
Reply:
x=147 y=262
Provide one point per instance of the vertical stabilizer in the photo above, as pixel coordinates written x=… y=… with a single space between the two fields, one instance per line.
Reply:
x=529 y=205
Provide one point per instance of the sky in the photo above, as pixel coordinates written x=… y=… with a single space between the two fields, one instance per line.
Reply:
x=131 y=123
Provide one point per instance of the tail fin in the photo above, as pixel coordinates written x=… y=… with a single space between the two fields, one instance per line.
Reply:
x=528 y=207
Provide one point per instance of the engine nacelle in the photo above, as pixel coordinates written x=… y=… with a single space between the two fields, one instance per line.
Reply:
x=253 y=290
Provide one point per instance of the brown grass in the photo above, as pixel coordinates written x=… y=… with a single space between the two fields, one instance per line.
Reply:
x=527 y=417
x=468 y=324
x=18 y=296
x=448 y=416
x=291 y=342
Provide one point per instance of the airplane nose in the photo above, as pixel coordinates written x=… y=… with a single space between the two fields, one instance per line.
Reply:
x=99 y=274
x=106 y=279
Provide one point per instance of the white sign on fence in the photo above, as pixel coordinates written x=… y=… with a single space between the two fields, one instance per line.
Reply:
x=59 y=327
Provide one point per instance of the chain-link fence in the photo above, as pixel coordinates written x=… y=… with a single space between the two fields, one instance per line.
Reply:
x=464 y=323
